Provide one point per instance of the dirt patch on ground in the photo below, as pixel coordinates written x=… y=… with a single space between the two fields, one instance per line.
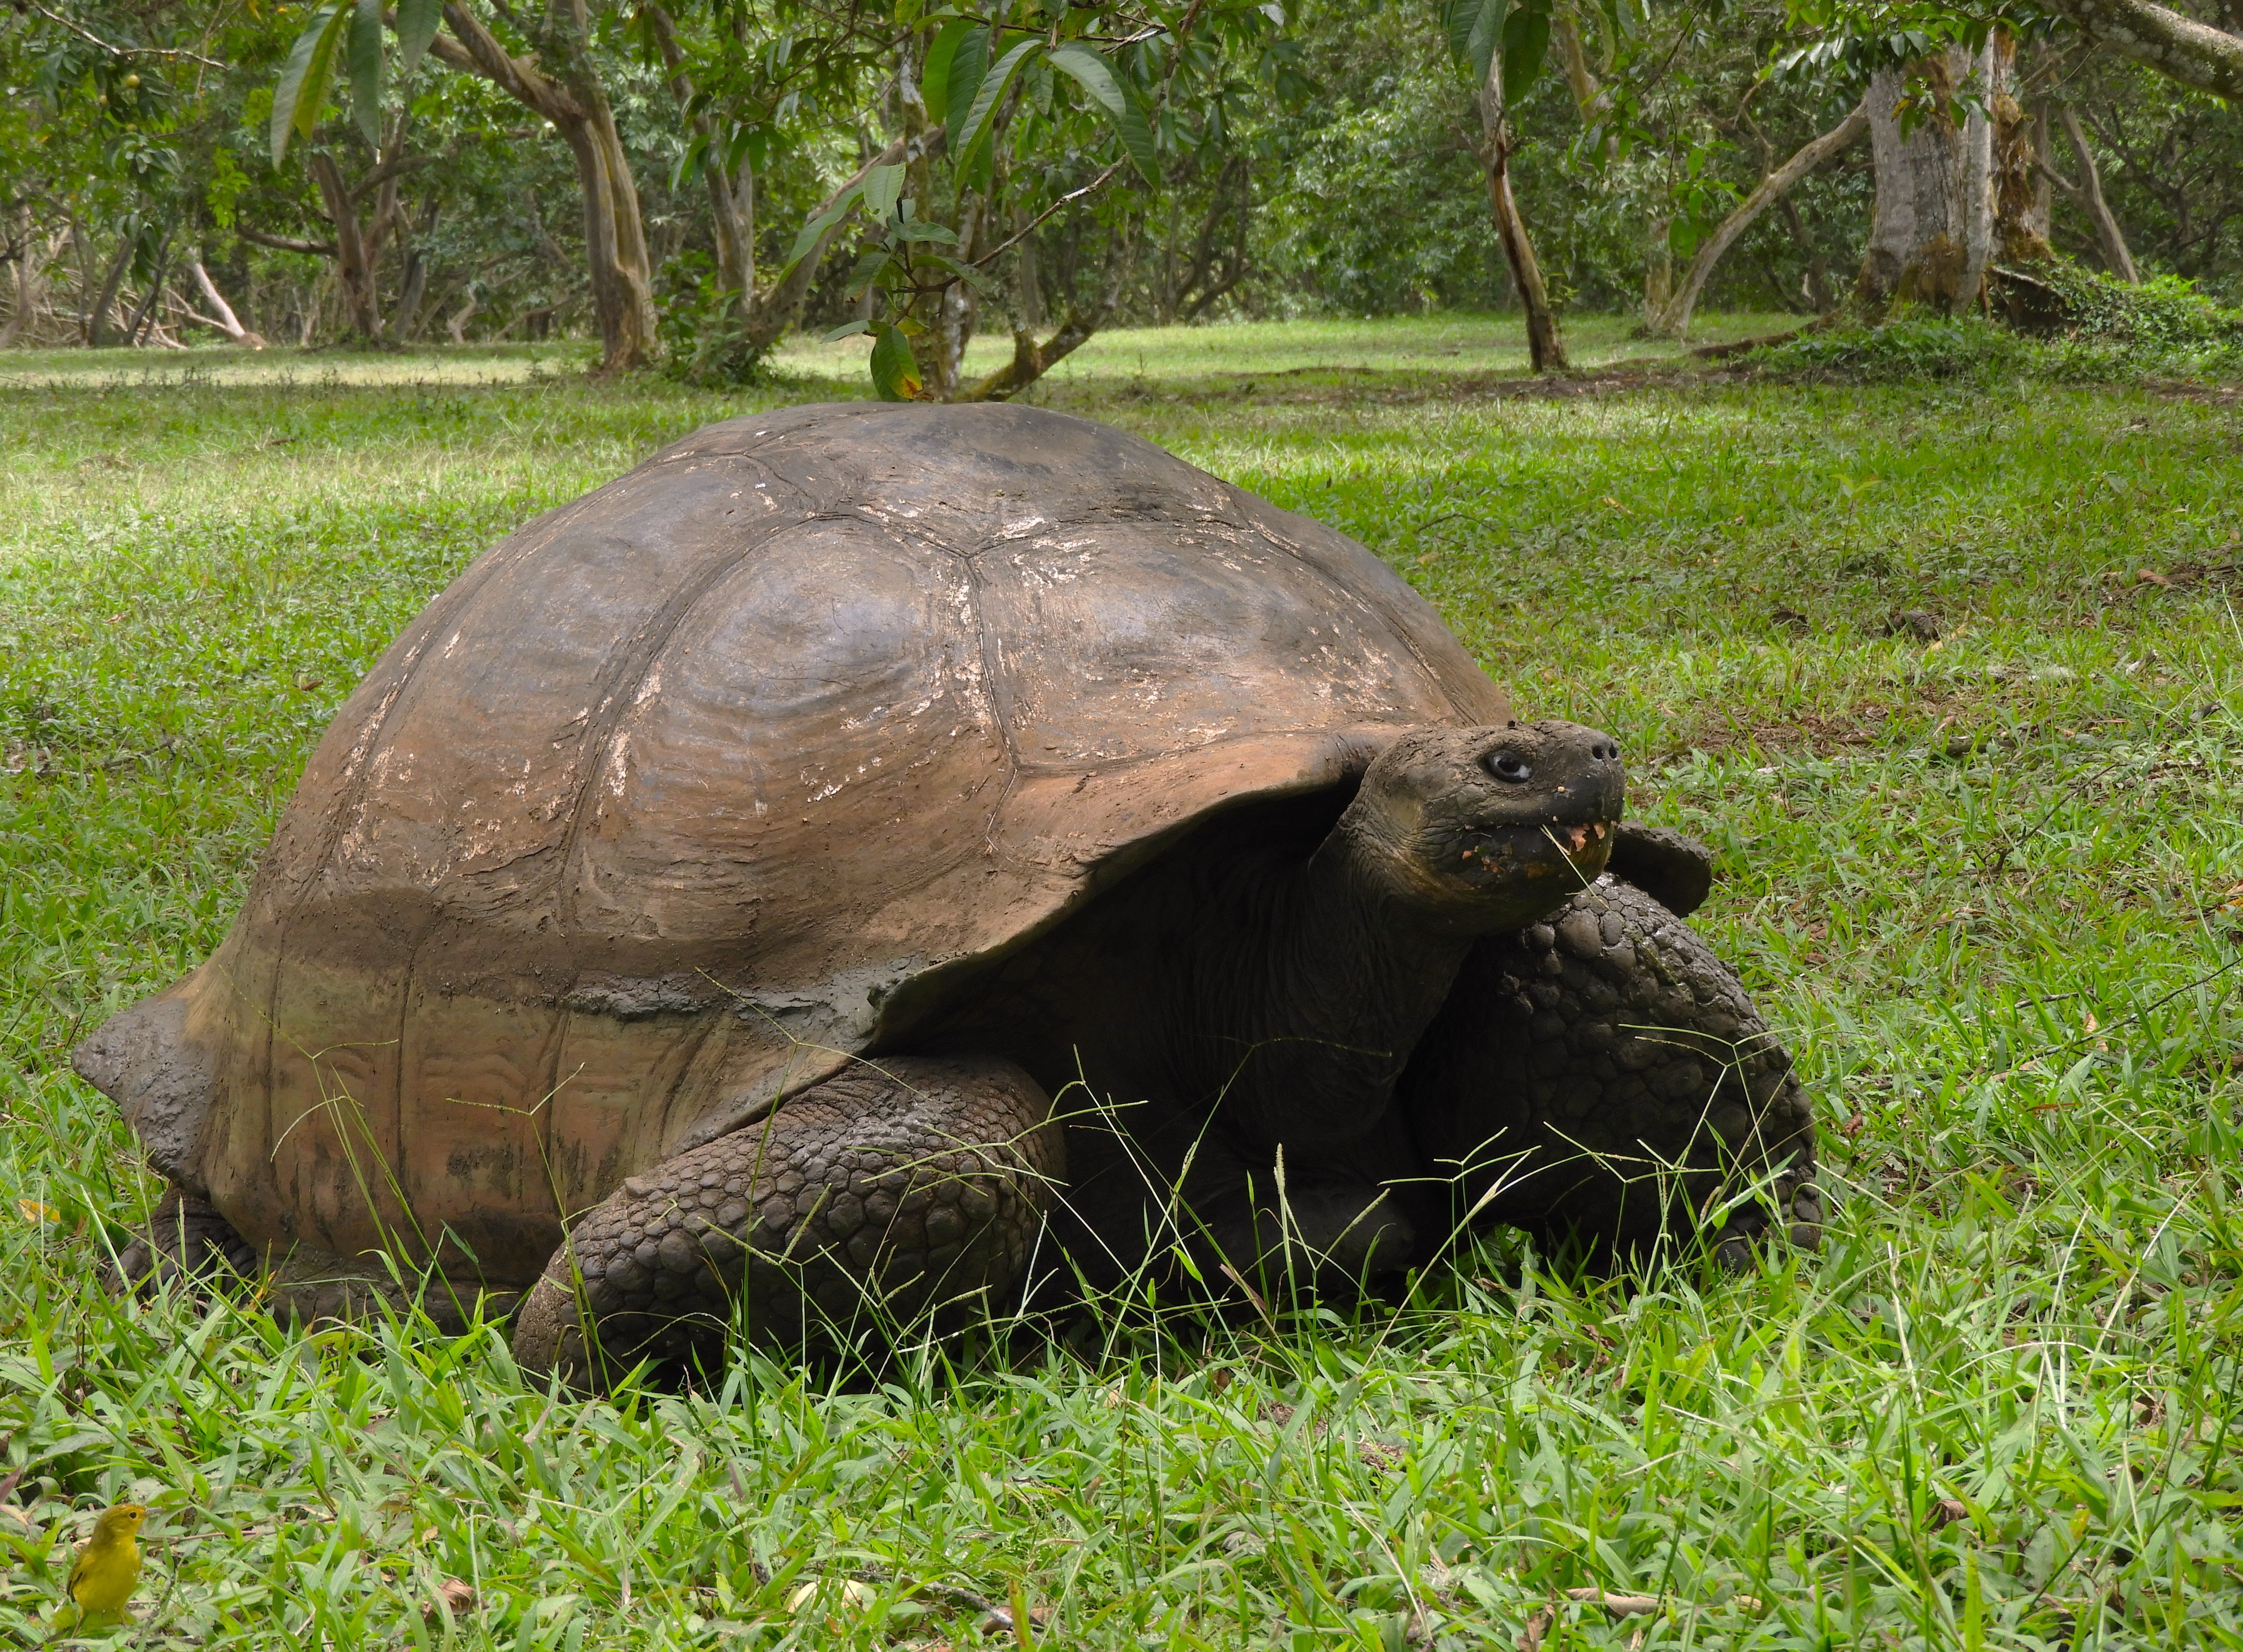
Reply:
x=2218 y=395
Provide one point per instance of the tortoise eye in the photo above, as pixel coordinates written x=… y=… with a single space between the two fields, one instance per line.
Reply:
x=1509 y=766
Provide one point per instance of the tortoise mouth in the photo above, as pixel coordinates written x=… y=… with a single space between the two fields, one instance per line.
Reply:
x=1507 y=875
x=1540 y=850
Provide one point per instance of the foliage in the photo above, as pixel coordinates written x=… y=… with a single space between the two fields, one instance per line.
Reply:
x=2163 y=314
x=1378 y=207
x=1322 y=150
x=1986 y=889
x=1911 y=347
x=2111 y=332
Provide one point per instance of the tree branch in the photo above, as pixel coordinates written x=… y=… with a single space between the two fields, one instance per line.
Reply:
x=2179 y=48
x=111 y=48
x=2088 y=197
x=1675 y=318
x=474 y=49
x=286 y=243
x=388 y=170
x=1071 y=196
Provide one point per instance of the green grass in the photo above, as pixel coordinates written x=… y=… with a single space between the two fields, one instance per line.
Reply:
x=1396 y=349
x=1988 y=886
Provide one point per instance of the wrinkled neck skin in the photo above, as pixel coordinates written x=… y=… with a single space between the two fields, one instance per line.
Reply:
x=1318 y=976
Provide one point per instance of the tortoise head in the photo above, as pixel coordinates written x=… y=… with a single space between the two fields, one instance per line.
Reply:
x=1485 y=830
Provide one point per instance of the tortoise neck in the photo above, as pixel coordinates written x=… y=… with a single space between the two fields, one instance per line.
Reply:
x=1341 y=975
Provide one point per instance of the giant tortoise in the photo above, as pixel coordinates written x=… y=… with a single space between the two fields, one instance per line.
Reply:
x=875 y=857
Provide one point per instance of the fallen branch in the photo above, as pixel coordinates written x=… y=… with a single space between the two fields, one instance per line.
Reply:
x=227 y=321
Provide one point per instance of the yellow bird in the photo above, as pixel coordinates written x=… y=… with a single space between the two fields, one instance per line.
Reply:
x=107 y=1570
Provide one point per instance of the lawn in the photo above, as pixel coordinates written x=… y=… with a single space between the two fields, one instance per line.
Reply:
x=1981 y=863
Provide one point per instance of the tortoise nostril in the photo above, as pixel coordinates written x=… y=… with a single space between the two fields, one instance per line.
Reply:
x=1509 y=766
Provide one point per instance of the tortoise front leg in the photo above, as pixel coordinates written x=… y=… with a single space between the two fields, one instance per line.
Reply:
x=886 y=1193
x=1606 y=1076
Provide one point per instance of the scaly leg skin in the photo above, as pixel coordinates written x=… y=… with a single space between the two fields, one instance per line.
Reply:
x=1311 y=1230
x=1608 y=1077
x=887 y=1193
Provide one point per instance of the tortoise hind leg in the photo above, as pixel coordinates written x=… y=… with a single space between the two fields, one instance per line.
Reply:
x=1606 y=1076
x=887 y=1193
x=186 y=1239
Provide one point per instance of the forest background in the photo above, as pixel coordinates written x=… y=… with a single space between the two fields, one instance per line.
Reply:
x=689 y=184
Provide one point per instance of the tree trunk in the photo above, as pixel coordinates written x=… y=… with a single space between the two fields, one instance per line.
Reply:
x=615 y=239
x=2087 y=196
x=147 y=310
x=1545 y=349
x=29 y=278
x=1658 y=269
x=577 y=104
x=228 y=323
x=1932 y=237
x=2021 y=202
x=1817 y=287
x=1674 y=320
x=96 y=329
x=406 y=320
x=731 y=201
x=1565 y=36
x=354 y=257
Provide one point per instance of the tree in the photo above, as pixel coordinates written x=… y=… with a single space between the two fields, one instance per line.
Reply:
x=1003 y=125
x=734 y=92
x=1684 y=117
x=1932 y=238
x=555 y=79
x=1503 y=43
x=1671 y=319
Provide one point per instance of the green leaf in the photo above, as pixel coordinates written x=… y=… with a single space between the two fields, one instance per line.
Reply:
x=848 y=332
x=814 y=231
x=967 y=65
x=985 y=101
x=872 y=264
x=363 y=50
x=934 y=74
x=1474 y=27
x=895 y=374
x=1091 y=71
x=882 y=185
x=919 y=229
x=1486 y=34
x=1526 y=44
x=1137 y=139
x=416 y=27
x=303 y=89
x=1088 y=67
x=689 y=159
x=1457 y=19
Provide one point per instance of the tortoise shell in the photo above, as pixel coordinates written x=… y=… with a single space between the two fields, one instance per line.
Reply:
x=689 y=791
